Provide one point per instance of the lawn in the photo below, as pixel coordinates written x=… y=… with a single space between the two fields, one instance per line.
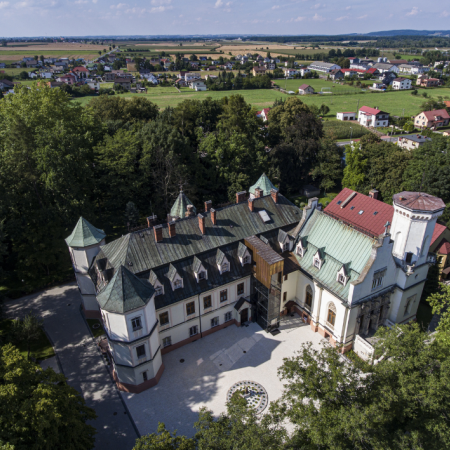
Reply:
x=169 y=96
x=96 y=327
x=317 y=84
x=14 y=72
x=39 y=349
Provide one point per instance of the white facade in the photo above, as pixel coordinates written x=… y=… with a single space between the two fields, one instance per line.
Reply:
x=373 y=120
x=401 y=83
x=345 y=116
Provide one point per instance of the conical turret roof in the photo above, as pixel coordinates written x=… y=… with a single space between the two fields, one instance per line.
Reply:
x=179 y=208
x=263 y=183
x=85 y=234
x=125 y=292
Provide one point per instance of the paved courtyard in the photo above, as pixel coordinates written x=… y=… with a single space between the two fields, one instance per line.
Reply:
x=80 y=361
x=211 y=366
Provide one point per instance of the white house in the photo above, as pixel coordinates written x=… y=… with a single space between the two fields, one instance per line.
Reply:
x=197 y=85
x=373 y=117
x=303 y=71
x=346 y=270
x=320 y=66
x=346 y=116
x=401 y=83
x=289 y=72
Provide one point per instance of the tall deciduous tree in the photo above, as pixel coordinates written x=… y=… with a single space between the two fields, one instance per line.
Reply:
x=38 y=409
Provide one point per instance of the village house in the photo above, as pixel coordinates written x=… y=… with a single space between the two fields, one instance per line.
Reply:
x=68 y=78
x=197 y=85
x=425 y=81
x=412 y=141
x=109 y=76
x=270 y=66
x=258 y=71
x=432 y=119
x=81 y=72
x=345 y=270
x=346 y=116
x=384 y=67
x=289 y=72
x=306 y=89
x=401 y=83
x=336 y=74
x=440 y=244
x=303 y=71
x=6 y=84
x=373 y=117
x=124 y=82
x=263 y=114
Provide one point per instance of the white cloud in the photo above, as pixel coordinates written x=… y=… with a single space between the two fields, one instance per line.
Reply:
x=81 y=2
x=3 y=4
x=94 y=1
x=363 y=17
x=119 y=6
x=158 y=9
x=161 y=2
x=21 y=5
x=348 y=7
x=299 y=19
x=342 y=18
x=317 y=6
x=218 y=4
x=444 y=13
x=413 y=12
x=180 y=16
x=276 y=7
x=317 y=18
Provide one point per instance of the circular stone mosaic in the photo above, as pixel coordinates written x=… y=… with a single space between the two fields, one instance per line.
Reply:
x=255 y=395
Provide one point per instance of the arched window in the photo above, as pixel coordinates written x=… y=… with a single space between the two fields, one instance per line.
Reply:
x=331 y=316
x=308 y=297
x=398 y=242
x=424 y=246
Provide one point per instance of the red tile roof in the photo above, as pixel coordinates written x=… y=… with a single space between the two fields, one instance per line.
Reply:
x=368 y=222
x=368 y=110
x=447 y=104
x=430 y=115
x=371 y=70
x=444 y=247
x=438 y=230
x=80 y=69
x=304 y=86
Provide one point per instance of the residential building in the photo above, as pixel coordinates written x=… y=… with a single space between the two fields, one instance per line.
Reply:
x=384 y=67
x=305 y=89
x=189 y=76
x=270 y=66
x=289 y=72
x=346 y=116
x=440 y=244
x=258 y=71
x=320 y=66
x=81 y=72
x=6 y=84
x=412 y=141
x=263 y=114
x=432 y=119
x=401 y=83
x=345 y=270
x=336 y=74
x=68 y=78
x=109 y=76
x=303 y=71
x=125 y=82
x=373 y=117
x=425 y=81
x=197 y=85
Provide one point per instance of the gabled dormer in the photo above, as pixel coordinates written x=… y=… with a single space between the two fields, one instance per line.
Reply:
x=285 y=241
x=199 y=270
x=222 y=262
x=343 y=275
x=156 y=283
x=317 y=260
x=244 y=254
x=174 y=277
x=301 y=247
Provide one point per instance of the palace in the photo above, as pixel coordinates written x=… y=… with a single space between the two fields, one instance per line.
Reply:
x=346 y=270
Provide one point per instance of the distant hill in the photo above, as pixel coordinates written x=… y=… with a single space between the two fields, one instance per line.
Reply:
x=409 y=33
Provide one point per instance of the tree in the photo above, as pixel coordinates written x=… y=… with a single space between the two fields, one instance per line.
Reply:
x=23 y=75
x=440 y=302
x=329 y=165
x=164 y=440
x=355 y=169
x=28 y=329
x=131 y=215
x=39 y=410
x=400 y=403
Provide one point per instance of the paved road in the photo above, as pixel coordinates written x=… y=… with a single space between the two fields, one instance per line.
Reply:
x=81 y=362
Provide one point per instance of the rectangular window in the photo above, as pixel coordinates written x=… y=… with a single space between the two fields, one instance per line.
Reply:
x=317 y=263
x=167 y=341
x=223 y=296
x=286 y=246
x=193 y=330
x=158 y=291
x=285 y=277
x=190 y=308
x=247 y=260
x=144 y=376
x=164 y=318
x=308 y=300
x=214 y=322
x=136 y=323
x=228 y=316
x=240 y=289
x=207 y=302
x=177 y=284
x=341 y=279
x=202 y=275
x=140 y=351
x=331 y=317
x=225 y=267
x=284 y=296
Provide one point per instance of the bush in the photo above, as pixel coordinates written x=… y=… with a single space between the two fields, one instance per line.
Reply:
x=302 y=204
x=414 y=92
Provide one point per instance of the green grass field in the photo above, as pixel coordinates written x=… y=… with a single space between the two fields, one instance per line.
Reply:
x=14 y=72
x=58 y=53
x=317 y=84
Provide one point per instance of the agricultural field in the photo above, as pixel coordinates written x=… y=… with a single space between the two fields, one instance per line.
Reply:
x=317 y=84
x=169 y=96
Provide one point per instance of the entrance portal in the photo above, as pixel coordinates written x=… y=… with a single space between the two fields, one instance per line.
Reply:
x=244 y=316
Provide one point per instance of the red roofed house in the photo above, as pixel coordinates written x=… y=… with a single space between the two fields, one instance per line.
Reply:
x=81 y=72
x=264 y=114
x=440 y=244
x=305 y=89
x=372 y=71
x=68 y=78
x=432 y=119
x=373 y=117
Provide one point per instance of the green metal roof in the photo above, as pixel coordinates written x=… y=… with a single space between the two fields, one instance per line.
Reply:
x=263 y=183
x=179 y=208
x=339 y=245
x=84 y=234
x=125 y=292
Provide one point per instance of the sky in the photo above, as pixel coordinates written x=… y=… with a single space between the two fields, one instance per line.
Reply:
x=169 y=17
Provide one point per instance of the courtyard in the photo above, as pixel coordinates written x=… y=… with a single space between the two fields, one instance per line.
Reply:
x=201 y=373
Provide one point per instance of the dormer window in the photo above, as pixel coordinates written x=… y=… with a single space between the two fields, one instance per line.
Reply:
x=225 y=267
x=244 y=254
x=341 y=279
x=222 y=262
x=342 y=276
x=202 y=275
x=199 y=270
x=317 y=261
x=156 y=283
x=246 y=260
x=178 y=284
x=284 y=240
x=158 y=290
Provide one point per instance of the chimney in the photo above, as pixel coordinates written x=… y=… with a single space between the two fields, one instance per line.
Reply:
x=208 y=206
x=201 y=223
x=250 y=204
x=240 y=196
x=213 y=216
x=158 y=233
x=258 y=192
x=151 y=220
x=172 y=231
x=274 y=195
x=373 y=193
x=190 y=211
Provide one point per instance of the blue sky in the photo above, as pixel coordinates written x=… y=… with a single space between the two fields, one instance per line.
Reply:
x=95 y=17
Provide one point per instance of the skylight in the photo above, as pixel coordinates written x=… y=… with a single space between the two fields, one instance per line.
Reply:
x=264 y=216
x=352 y=208
x=339 y=202
x=375 y=213
x=360 y=212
